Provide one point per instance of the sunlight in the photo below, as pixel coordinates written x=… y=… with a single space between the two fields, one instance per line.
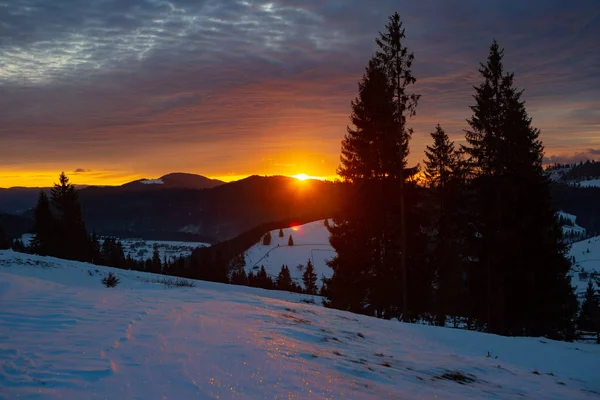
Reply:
x=304 y=177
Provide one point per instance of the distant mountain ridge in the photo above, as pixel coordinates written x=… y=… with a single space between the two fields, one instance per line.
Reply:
x=175 y=180
x=19 y=199
x=191 y=207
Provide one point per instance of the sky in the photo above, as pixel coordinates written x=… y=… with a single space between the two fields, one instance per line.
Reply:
x=115 y=90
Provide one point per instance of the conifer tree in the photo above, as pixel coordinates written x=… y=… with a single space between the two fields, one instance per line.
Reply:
x=281 y=232
x=44 y=228
x=267 y=239
x=262 y=280
x=71 y=236
x=520 y=279
x=397 y=61
x=309 y=278
x=156 y=264
x=290 y=241
x=370 y=271
x=284 y=279
x=239 y=277
x=444 y=170
x=586 y=320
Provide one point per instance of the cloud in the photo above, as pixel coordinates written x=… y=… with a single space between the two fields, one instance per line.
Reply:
x=573 y=157
x=81 y=171
x=211 y=84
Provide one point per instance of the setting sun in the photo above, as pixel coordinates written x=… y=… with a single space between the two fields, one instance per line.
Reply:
x=302 y=177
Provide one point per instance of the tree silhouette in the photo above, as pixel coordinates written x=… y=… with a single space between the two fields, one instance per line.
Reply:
x=310 y=278
x=44 y=228
x=519 y=281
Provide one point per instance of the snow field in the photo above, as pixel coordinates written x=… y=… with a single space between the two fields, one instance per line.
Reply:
x=64 y=335
x=311 y=241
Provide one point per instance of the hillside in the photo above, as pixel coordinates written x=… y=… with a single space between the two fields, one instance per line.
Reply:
x=311 y=241
x=143 y=340
x=586 y=254
x=188 y=214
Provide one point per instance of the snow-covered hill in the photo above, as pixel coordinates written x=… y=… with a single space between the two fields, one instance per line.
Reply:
x=572 y=232
x=311 y=241
x=586 y=255
x=583 y=175
x=64 y=335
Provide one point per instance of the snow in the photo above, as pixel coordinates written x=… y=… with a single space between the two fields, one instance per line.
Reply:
x=64 y=335
x=311 y=241
x=590 y=183
x=140 y=249
x=152 y=181
x=587 y=257
x=580 y=231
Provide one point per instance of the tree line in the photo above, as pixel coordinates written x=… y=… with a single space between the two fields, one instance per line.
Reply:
x=59 y=231
x=481 y=242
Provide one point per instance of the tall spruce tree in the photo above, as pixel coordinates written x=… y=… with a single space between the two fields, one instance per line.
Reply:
x=44 y=228
x=397 y=61
x=73 y=241
x=519 y=279
x=370 y=235
x=444 y=170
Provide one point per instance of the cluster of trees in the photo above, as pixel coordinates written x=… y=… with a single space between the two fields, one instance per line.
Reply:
x=283 y=281
x=59 y=231
x=482 y=241
x=588 y=319
x=583 y=171
x=266 y=240
x=580 y=201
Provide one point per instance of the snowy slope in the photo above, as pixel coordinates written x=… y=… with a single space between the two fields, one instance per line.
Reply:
x=311 y=241
x=590 y=183
x=141 y=249
x=573 y=229
x=63 y=335
x=587 y=258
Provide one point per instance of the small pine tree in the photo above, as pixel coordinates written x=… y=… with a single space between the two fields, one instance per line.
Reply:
x=262 y=280
x=156 y=263
x=72 y=240
x=281 y=232
x=239 y=277
x=110 y=280
x=290 y=241
x=284 y=279
x=586 y=320
x=310 y=278
x=267 y=239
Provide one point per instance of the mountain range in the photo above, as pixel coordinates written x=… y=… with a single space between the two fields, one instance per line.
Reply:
x=185 y=206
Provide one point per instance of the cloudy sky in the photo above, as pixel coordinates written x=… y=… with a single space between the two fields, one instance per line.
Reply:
x=113 y=90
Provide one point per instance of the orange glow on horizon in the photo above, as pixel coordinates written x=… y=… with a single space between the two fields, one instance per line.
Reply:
x=47 y=178
x=304 y=177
